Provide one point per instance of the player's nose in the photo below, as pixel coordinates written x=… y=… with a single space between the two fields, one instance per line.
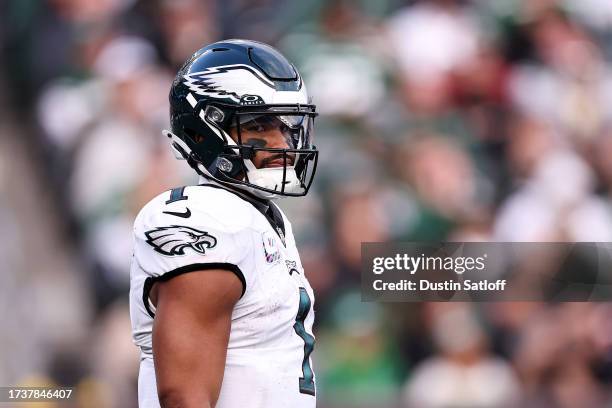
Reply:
x=276 y=139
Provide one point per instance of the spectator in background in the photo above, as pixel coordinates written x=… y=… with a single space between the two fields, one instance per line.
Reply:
x=118 y=151
x=419 y=36
x=185 y=25
x=358 y=358
x=555 y=357
x=556 y=204
x=464 y=373
x=568 y=85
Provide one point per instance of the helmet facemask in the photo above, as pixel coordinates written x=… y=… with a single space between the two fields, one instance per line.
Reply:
x=267 y=150
x=275 y=147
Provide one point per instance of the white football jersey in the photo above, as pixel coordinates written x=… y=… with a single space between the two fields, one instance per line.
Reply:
x=195 y=228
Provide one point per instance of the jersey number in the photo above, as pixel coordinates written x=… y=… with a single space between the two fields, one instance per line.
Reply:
x=176 y=194
x=307 y=385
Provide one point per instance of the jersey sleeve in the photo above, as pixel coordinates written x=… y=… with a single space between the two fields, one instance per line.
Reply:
x=167 y=245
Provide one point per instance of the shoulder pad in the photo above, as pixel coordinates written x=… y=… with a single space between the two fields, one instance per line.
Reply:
x=212 y=207
x=193 y=228
x=228 y=208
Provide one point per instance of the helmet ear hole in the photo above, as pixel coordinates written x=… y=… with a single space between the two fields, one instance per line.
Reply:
x=194 y=136
x=190 y=132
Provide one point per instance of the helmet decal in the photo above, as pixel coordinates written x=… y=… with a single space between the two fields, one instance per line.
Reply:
x=229 y=81
x=192 y=100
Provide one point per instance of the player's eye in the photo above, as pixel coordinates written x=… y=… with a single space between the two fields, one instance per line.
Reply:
x=263 y=124
x=254 y=127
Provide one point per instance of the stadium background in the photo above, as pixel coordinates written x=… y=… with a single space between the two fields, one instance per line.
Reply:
x=440 y=120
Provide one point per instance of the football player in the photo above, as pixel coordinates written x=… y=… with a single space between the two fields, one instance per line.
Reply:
x=220 y=306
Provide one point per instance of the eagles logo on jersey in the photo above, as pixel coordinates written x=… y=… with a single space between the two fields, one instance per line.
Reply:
x=174 y=239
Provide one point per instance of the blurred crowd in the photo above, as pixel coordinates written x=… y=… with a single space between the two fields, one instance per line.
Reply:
x=460 y=120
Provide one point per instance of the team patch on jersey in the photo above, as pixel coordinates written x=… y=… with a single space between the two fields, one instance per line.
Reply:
x=291 y=267
x=174 y=239
x=271 y=250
